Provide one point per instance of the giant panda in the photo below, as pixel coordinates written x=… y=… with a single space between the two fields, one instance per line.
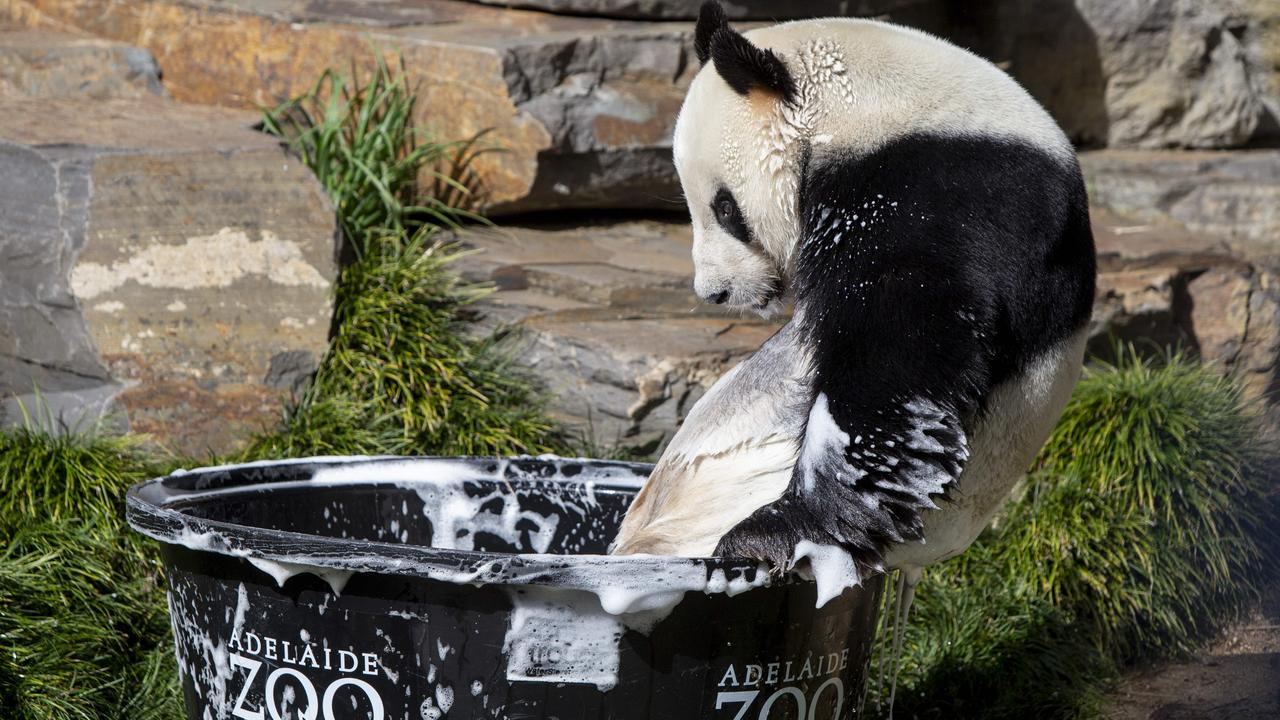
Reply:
x=929 y=220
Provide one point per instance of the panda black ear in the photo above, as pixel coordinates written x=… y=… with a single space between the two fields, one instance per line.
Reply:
x=745 y=66
x=710 y=19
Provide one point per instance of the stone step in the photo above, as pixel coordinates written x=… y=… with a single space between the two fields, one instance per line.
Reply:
x=42 y=63
x=1233 y=195
x=613 y=328
x=582 y=107
x=160 y=258
x=611 y=323
x=688 y=9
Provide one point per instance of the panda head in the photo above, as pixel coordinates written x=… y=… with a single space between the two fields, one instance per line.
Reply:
x=738 y=159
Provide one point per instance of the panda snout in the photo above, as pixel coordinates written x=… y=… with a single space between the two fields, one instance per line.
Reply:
x=712 y=290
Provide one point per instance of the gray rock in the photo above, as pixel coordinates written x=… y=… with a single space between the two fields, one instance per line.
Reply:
x=610 y=322
x=1235 y=318
x=1232 y=195
x=160 y=260
x=688 y=9
x=608 y=104
x=42 y=63
x=1151 y=74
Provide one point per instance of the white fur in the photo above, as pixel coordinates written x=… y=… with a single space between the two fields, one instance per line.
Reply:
x=733 y=454
x=822 y=438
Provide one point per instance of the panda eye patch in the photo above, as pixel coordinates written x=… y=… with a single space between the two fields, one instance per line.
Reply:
x=729 y=216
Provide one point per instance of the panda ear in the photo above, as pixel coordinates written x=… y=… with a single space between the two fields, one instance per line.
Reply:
x=710 y=19
x=746 y=67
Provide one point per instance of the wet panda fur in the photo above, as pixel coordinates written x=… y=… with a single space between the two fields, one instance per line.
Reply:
x=929 y=220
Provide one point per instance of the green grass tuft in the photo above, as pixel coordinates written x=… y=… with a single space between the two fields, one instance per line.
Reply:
x=68 y=476
x=359 y=139
x=1146 y=525
x=83 y=627
x=1170 y=456
x=402 y=376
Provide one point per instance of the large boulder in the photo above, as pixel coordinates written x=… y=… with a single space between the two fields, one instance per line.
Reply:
x=161 y=259
x=40 y=63
x=688 y=9
x=1148 y=74
x=1229 y=195
x=582 y=108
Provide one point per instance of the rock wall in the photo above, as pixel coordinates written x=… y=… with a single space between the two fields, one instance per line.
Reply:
x=582 y=108
x=1144 y=74
x=45 y=64
x=581 y=96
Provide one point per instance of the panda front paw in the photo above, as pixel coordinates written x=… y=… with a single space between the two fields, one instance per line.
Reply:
x=762 y=536
x=787 y=532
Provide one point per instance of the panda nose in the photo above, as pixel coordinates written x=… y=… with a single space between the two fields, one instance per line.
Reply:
x=719 y=298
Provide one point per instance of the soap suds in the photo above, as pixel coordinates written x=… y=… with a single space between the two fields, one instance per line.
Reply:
x=831 y=566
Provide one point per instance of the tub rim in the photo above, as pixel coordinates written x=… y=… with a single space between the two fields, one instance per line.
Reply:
x=149 y=511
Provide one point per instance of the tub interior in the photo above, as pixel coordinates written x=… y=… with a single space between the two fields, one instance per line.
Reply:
x=538 y=506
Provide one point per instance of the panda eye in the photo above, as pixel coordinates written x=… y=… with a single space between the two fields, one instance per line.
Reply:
x=725 y=210
x=729 y=216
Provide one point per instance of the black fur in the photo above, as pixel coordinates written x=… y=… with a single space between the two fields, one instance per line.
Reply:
x=976 y=256
x=745 y=66
x=729 y=216
x=710 y=19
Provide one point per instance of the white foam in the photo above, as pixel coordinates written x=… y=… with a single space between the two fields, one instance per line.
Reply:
x=444 y=697
x=281 y=571
x=831 y=566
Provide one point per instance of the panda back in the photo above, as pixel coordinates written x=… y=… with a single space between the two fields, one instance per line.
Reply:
x=866 y=83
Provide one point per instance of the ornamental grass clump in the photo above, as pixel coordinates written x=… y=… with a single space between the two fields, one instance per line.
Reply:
x=1146 y=524
x=84 y=633
x=402 y=376
x=403 y=373
x=359 y=138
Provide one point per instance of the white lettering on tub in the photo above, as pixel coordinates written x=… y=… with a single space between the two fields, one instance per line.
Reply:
x=252 y=666
x=766 y=675
x=249 y=650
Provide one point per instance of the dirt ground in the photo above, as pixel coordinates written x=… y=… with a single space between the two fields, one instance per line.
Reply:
x=1236 y=677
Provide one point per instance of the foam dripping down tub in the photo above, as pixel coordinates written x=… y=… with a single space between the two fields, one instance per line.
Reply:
x=419 y=589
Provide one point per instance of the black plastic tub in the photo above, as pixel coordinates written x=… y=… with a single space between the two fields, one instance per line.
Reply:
x=417 y=589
